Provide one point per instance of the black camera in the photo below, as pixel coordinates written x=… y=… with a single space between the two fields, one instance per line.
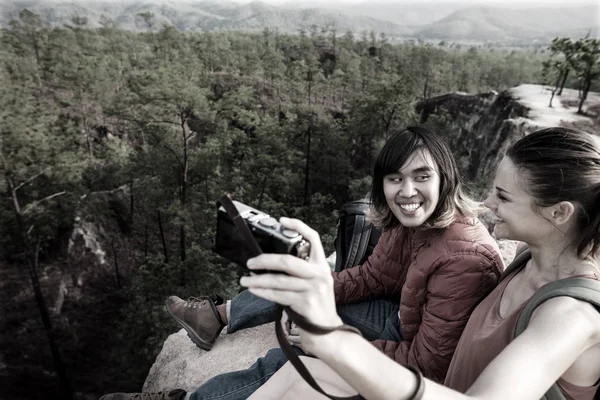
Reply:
x=268 y=232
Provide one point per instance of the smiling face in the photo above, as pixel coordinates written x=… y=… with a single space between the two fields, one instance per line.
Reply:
x=412 y=193
x=514 y=207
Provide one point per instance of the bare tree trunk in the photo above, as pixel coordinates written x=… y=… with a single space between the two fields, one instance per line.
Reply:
x=182 y=242
x=65 y=389
x=564 y=80
x=131 y=201
x=307 y=167
x=87 y=138
x=334 y=42
x=183 y=188
x=262 y=190
x=117 y=275
x=146 y=240
x=309 y=87
x=586 y=90
x=388 y=122
x=555 y=88
x=59 y=366
x=206 y=194
x=162 y=236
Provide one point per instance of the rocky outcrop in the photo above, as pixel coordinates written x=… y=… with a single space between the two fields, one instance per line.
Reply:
x=97 y=239
x=479 y=128
x=182 y=365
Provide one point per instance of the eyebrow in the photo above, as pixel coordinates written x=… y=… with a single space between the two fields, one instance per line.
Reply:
x=425 y=168
x=498 y=188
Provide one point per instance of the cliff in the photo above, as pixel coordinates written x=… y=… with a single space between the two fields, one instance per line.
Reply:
x=479 y=128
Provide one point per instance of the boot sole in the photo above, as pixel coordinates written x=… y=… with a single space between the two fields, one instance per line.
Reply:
x=198 y=341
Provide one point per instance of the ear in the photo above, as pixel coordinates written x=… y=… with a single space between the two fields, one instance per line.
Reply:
x=561 y=213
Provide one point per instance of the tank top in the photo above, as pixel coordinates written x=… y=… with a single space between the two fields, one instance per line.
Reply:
x=485 y=336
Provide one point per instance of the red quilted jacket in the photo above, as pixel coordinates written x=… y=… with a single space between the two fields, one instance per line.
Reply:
x=440 y=276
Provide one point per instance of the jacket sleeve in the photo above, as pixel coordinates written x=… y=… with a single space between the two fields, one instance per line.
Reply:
x=382 y=274
x=453 y=290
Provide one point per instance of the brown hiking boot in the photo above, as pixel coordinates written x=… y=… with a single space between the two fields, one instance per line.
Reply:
x=199 y=317
x=176 y=394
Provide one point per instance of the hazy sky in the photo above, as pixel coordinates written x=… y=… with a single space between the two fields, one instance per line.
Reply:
x=316 y=3
x=330 y=3
x=507 y=2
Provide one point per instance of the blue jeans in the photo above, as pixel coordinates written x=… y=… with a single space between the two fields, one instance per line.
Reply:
x=376 y=319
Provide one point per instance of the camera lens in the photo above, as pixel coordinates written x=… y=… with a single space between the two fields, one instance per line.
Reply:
x=268 y=222
x=289 y=233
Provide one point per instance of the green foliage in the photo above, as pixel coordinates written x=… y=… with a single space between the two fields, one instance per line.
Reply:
x=582 y=57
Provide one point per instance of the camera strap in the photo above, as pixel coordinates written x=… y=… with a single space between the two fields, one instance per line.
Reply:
x=298 y=319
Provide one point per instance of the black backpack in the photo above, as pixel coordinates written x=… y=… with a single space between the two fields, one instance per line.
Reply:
x=356 y=236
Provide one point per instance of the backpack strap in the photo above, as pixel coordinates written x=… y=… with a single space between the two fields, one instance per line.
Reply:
x=583 y=289
x=360 y=240
x=356 y=235
x=517 y=263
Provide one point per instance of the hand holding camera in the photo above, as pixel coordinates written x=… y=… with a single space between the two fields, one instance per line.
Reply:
x=288 y=257
x=268 y=233
x=306 y=287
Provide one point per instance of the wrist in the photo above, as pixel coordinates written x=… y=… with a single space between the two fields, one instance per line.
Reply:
x=329 y=344
x=324 y=346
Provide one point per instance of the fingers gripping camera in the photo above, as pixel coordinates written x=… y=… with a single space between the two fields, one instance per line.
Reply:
x=268 y=232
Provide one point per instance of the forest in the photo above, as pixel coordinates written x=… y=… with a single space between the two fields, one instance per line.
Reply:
x=289 y=124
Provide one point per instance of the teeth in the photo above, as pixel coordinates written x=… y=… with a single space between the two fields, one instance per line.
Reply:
x=410 y=207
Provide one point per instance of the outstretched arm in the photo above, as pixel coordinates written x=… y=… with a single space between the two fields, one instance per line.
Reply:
x=526 y=369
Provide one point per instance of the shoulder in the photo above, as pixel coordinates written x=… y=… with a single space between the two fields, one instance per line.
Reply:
x=568 y=313
x=390 y=236
x=466 y=239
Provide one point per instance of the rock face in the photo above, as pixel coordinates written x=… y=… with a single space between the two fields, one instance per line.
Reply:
x=479 y=128
x=182 y=365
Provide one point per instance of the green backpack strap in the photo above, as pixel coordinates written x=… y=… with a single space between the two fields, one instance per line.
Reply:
x=584 y=289
x=517 y=263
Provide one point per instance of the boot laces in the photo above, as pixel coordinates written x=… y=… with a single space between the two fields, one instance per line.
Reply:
x=150 y=396
x=196 y=302
x=199 y=302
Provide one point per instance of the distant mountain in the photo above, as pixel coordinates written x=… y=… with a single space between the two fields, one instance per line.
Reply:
x=493 y=23
x=430 y=20
x=203 y=15
x=410 y=13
